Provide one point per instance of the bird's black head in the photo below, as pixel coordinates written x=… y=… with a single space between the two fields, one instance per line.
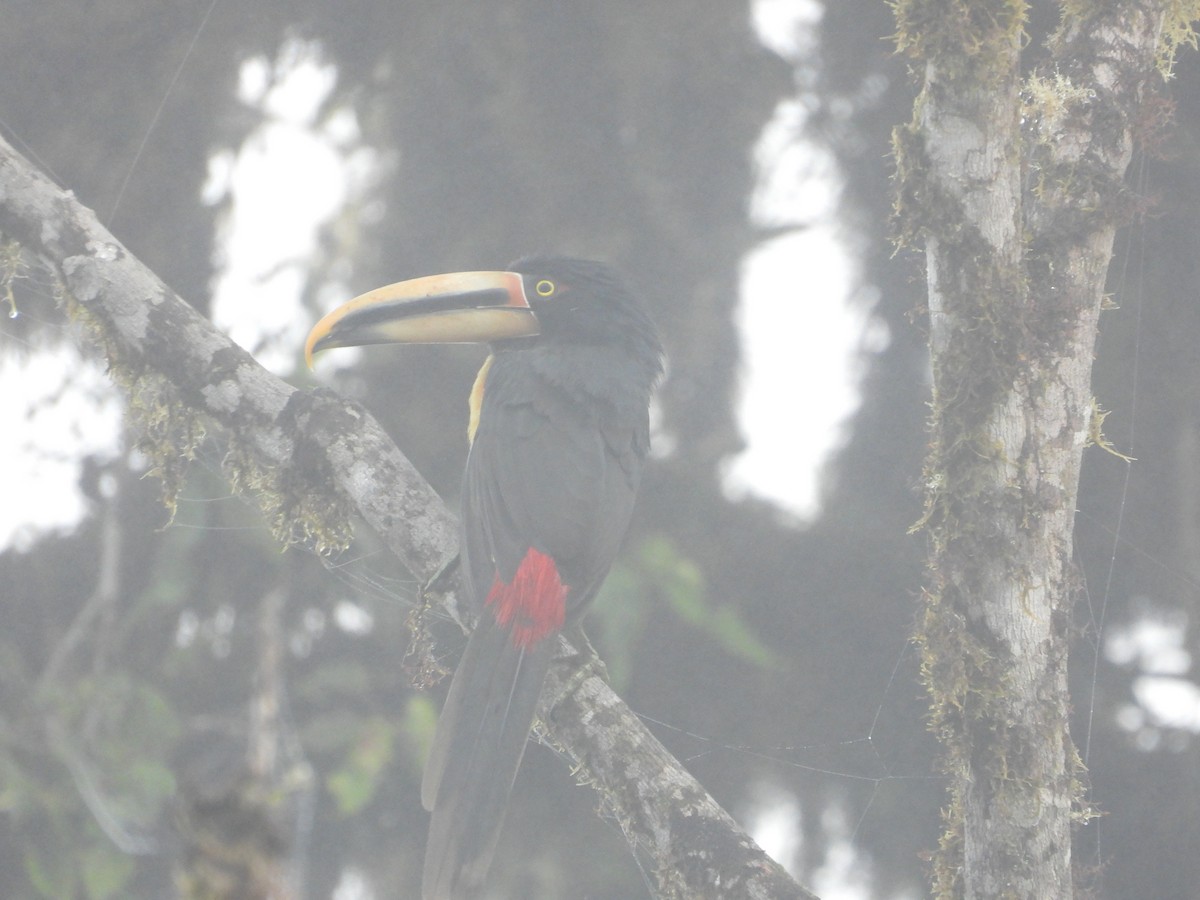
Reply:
x=586 y=302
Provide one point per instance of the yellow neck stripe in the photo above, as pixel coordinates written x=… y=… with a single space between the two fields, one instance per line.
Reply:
x=476 y=401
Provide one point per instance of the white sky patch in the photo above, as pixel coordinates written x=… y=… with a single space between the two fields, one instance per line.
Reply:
x=57 y=409
x=289 y=179
x=775 y=826
x=802 y=339
x=1155 y=644
x=845 y=872
x=787 y=27
x=353 y=885
x=352 y=618
x=801 y=366
x=1170 y=702
x=798 y=181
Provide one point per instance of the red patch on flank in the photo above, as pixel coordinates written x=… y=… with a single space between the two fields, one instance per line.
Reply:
x=533 y=604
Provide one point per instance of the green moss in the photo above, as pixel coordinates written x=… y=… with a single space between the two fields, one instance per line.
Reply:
x=1054 y=96
x=1082 y=812
x=295 y=513
x=1096 y=433
x=1179 y=30
x=169 y=431
x=963 y=38
x=911 y=205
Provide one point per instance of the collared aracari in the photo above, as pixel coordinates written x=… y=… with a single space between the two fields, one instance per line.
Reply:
x=559 y=428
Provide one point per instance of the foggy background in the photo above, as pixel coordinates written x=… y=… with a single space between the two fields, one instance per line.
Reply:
x=269 y=160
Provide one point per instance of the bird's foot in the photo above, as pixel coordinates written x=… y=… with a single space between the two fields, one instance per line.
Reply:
x=586 y=656
x=442 y=581
x=580 y=665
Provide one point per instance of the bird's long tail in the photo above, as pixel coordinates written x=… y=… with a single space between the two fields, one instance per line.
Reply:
x=476 y=752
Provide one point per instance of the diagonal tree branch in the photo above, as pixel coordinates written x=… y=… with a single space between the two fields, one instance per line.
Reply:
x=310 y=458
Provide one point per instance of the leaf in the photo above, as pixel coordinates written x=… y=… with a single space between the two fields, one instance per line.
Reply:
x=51 y=876
x=620 y=616
x=418 y=725
x=353 y=786
x=105 y=873
x=151 y=781
x=681 y=583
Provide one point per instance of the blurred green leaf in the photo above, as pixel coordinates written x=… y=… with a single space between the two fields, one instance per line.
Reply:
x=354 y=785
x=106 y=872
x=681 y=583
x=418 y=724
x=619 y=617
x=150 y=780
x=51 y=874
x=150 y=719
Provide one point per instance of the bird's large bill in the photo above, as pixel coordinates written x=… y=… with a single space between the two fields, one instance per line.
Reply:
x=461 y=307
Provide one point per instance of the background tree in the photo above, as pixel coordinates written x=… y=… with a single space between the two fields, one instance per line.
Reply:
x=614 y=132
x=1016 y=185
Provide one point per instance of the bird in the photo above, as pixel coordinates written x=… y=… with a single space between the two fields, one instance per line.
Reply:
x=559 y=431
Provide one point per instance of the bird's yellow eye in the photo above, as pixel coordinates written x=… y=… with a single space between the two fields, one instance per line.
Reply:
x=544 y=288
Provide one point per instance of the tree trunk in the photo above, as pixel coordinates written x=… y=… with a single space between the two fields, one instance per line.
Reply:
x=1015 y=188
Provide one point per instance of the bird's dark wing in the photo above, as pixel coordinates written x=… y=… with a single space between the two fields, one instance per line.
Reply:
x=548 y=472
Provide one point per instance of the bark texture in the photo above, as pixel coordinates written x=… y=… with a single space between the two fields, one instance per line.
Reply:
x=1015 y=187
x=663 y=812
x=311 y=459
